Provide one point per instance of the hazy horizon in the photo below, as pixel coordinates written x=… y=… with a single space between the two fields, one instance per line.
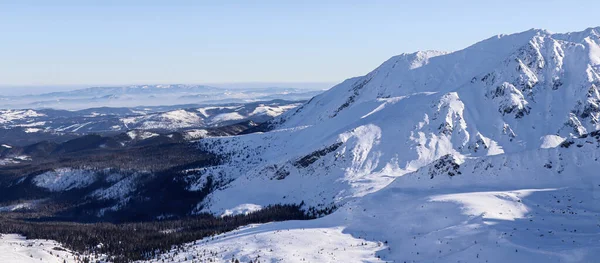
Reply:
x=18 y=90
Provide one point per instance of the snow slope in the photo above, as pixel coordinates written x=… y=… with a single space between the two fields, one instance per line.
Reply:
x=15 y=248
x=533 y=206
x=280 y=242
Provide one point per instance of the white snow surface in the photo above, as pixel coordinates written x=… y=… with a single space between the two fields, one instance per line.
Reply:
x=17 y=249
x=292 y=241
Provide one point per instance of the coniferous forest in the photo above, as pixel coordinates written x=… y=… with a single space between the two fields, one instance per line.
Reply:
x=128 y=242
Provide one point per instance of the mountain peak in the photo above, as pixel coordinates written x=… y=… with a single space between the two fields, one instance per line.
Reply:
x=520 y=75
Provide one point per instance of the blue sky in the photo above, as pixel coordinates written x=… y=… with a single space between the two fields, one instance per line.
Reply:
x=126 y=42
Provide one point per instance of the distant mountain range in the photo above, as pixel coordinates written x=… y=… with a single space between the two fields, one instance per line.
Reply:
x=151 y=95
x=23 y=126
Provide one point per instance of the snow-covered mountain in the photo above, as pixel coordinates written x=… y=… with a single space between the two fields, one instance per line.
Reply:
x=426 y=115
x=506 y=94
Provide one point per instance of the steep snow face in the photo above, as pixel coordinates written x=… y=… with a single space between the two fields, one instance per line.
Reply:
x=506 y=94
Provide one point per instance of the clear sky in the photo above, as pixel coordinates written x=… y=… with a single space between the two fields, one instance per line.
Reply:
x=106 y=42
